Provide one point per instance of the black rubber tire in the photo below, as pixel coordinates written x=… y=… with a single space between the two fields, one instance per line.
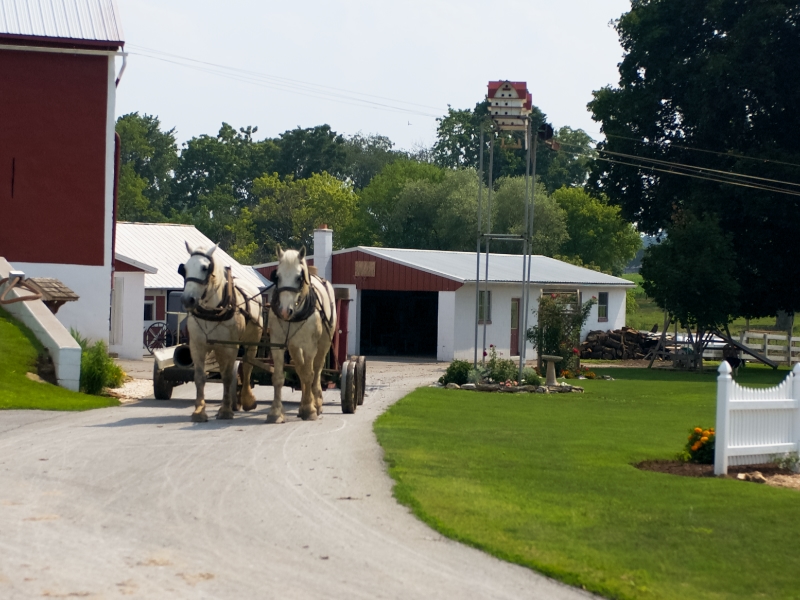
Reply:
x=162 y=389
x=361 y=378
x=349 y=400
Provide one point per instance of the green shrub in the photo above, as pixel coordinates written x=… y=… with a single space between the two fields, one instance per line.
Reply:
x=700 y=447
x=530 y=377
x=500 y=370
x=476 y=375
x=457 y=372
x=98 y=369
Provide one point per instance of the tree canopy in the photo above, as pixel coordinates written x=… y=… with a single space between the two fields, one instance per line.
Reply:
x=710 y=85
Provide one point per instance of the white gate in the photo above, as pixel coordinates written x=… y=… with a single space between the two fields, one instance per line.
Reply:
x=753 y=424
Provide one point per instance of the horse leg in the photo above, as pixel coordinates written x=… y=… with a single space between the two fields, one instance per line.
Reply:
x=319 y=362
x=198 y=352
x=276 y=411
x=227 y=366
x=247 y=397
x=305 y=371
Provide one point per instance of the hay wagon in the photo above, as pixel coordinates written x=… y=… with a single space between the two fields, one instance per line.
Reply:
x=173 y=366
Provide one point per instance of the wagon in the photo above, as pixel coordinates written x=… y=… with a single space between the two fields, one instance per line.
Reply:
x=173 y=366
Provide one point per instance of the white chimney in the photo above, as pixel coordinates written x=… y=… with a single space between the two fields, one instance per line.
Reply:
x=323 y=247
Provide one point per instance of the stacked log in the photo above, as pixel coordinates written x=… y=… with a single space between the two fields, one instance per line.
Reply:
x=620 y=344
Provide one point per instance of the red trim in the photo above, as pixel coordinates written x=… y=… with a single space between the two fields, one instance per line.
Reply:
x=161 y=310
x=123 y=267
x=11 y=39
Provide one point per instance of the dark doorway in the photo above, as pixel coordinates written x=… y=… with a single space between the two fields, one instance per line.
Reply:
x=399 y=323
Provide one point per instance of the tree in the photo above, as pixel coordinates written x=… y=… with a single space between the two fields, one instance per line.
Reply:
x=508 y=208
x=223 y=165
x=598 y=235
x=148 y=158
x=458 y=144
x=366 y=156
x=378 y=200
x=435 y=215
x=312 y=150
x=691 y=275
x=708 y=85
x=289 y=210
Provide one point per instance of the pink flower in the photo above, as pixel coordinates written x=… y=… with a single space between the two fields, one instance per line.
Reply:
x=491 y=345
x=576 y=351
x=594 y=297
x=485 y=353
x=552 y=295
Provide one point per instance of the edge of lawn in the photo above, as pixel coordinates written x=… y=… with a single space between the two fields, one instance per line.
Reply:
x=20 y=349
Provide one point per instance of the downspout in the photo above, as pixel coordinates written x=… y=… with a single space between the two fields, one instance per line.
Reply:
x=122 y=68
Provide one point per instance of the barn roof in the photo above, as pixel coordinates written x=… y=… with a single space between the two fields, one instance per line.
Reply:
x=163 y=246
x=503 y=268
x=62 y=20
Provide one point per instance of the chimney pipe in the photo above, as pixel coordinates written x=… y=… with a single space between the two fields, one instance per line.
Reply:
x=323 y=248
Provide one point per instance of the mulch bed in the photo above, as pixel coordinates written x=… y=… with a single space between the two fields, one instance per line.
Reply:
x=775 y=475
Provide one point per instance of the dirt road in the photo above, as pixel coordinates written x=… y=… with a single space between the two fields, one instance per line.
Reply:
x=136 y=501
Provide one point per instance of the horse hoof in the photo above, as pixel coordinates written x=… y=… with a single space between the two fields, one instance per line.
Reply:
x=275 y=418
x=310 y=415
x=249 y=407
x=235 y=407
x=225 y=414
x=200 y=417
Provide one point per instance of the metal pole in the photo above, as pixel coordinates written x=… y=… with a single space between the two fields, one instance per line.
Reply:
x=478 y=249
x=525 y=251
x=486 y=303
x=531 y=160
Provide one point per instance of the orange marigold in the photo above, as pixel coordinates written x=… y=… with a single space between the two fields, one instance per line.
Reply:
x=704 y=439
x=696 y=447
x=698 y=430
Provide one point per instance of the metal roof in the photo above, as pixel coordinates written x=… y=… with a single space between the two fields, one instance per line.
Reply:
x=163 y=246
x=91 y=20
x=503 y=268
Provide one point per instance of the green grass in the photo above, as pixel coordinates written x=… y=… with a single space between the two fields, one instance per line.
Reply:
x=649 y=314
x=19 y=349
x=548 y=482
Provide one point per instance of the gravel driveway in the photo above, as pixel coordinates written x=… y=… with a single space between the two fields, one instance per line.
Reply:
x=136 y=501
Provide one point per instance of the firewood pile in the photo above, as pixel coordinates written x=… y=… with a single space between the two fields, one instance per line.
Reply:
x=621 y=344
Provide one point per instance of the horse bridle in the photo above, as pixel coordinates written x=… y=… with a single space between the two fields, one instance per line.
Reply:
x=182 y=272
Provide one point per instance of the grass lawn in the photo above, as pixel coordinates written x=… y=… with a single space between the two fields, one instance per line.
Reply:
x=19 y=349
x=547 y=481
x=649 y=314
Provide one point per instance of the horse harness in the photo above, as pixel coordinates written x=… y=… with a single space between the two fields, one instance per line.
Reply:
x=228 y=306
x=311 y=303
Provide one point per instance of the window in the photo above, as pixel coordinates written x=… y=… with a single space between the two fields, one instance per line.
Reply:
x=148 y=311
x=602 y=306
x=485 y=307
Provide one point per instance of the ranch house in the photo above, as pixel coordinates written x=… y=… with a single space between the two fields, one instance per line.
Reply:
x=58 y=76
x=422 y=302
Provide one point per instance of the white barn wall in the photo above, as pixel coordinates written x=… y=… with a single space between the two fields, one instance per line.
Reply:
x=130 y=343
x=616 y=310
x=498 y=332
x=90 y=314
x=446 y=327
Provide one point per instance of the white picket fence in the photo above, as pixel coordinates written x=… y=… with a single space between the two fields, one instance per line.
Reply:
x=773 y=345
x=755 y=424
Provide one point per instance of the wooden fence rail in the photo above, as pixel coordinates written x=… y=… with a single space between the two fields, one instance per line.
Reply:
x=755 y=424
x=776 y=346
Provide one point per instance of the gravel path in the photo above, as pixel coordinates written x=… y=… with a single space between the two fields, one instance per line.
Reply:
x=136 y=501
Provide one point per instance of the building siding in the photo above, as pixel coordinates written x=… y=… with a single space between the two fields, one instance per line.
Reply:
x=53 y=130
x=388 y=275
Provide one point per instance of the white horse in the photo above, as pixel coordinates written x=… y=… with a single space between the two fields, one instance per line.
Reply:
x=219 y=310
x=303 y=319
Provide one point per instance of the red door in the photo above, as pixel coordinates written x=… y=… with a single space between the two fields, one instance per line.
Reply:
x=515 y=304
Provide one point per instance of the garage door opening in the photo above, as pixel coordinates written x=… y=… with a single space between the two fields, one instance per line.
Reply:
x=399 y=323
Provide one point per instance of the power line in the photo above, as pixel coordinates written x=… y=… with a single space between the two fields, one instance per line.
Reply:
x=706 y=178
x=684 y=147
x=284 y=84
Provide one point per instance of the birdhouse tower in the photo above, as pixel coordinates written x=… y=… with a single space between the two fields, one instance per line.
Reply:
x=509 y=104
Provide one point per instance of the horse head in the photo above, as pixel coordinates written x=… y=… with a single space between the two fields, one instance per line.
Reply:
x=291 y=281
x=200 y=274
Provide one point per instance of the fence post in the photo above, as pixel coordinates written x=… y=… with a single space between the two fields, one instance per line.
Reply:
x=796 y=397
x=724 y=387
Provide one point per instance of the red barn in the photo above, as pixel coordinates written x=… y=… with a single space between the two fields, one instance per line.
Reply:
x=58 y=70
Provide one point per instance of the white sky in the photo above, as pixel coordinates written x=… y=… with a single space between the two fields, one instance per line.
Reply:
x=429 y=52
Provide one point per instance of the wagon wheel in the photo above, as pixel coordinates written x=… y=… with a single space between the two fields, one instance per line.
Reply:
x=361 y=378
x=349 y=400
x=162 y=389
x=155 y=336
